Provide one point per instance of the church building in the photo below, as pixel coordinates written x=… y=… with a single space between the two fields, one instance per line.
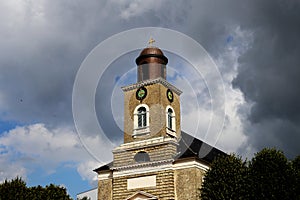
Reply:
x=157 y=159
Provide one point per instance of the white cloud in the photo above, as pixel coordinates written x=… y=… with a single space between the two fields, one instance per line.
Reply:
x=27 y=147
x=10 y=170
x=85 y=169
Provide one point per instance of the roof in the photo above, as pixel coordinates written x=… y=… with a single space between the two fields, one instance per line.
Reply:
x=151 y=52
x=189 y=147
x=104 y=167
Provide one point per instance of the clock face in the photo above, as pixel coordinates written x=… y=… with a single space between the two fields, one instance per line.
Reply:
x=170 y=95
x=141 y=93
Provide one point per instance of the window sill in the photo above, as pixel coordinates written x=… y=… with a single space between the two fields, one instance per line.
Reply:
x=141 y=131
x=171 y=132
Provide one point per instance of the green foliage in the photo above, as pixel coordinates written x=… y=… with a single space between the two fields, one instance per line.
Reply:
x=17 y=189
x=14 y=189
x=296 y=168
x=272 y=176
x=269 y=175
x=226 y=179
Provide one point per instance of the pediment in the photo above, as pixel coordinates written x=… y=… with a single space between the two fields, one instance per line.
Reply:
x=140 y=195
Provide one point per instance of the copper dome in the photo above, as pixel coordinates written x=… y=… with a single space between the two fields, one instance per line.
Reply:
x=151 y=55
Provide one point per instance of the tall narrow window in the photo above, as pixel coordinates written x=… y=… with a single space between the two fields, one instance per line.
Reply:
x=141 y=120
x=142 y=117
x=170 y=116
x=170 y=121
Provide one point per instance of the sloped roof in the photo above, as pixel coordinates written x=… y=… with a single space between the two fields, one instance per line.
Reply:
x=189 y=147
x=104 y=167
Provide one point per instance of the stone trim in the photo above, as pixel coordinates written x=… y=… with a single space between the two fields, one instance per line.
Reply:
x=142 y=165
x=145 y=143
x=150 y=196
x=157 y=166
x=143 y=170
x=105 y=176
x=151 y=82
x=189 y=164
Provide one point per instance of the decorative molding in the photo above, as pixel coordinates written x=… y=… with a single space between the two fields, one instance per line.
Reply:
x=141 y=131
x=156 y=166
x=143 y=165
x=160 y=80
x=190 y=164
x=145 y=143
x=150 y=196
x=143 y=168
x=105 y=176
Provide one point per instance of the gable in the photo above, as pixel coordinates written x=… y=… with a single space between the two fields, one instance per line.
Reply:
x=140 y=195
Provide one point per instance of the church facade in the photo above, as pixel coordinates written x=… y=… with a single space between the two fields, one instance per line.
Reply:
x=157 y=159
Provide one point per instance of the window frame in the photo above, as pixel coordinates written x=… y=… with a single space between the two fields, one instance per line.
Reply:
x=141 y=129
x=170 y=125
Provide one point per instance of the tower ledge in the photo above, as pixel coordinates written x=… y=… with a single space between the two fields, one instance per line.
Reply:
x=150 y=82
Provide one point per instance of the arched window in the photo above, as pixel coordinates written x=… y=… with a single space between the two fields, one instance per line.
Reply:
x=170 y=118
x=170 y=121
x=142 y=156
x=142 y=120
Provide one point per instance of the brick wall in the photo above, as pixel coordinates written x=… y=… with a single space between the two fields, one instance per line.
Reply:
x=187 y=183
x=157 y=101
x=156 y=153
x=105 y=189
x=164 y=189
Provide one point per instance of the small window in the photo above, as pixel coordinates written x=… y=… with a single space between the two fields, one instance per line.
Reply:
x=142 y=117
x=170 y=121
x=142 y=156
x=141 y=121
x=170 y=118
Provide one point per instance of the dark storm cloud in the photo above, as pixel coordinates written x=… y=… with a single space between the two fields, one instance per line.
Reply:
x=268 y=69
x=268 y=76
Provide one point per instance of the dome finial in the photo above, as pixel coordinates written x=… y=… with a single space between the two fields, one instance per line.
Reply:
x=151 y=41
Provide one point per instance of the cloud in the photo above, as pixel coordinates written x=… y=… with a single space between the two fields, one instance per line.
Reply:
x=254 y=43
x=12 y=169
x=85 y=169
x=32 y=146
x=268 y=77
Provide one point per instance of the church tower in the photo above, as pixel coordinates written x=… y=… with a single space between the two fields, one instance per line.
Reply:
x=157 y=160
x=152 y=105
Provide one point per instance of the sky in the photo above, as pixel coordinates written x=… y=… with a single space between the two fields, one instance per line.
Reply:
x=254 y=44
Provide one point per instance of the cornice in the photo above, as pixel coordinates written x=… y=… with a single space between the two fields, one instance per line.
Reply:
x=151 y=82
x=145 y=143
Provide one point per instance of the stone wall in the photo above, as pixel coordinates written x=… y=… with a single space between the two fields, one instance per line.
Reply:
x=105 y=189
x=157 y=101
x=156 y=153
x=164 y=189
x=188 y=183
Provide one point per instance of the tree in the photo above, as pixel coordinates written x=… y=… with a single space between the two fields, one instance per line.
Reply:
x=269 y=175
x=296 y=168
x=17 y=189
x=13 y=189
x=227 y=179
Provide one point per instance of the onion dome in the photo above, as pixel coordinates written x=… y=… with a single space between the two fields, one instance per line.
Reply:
x=151 y=55
x=151 y=63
